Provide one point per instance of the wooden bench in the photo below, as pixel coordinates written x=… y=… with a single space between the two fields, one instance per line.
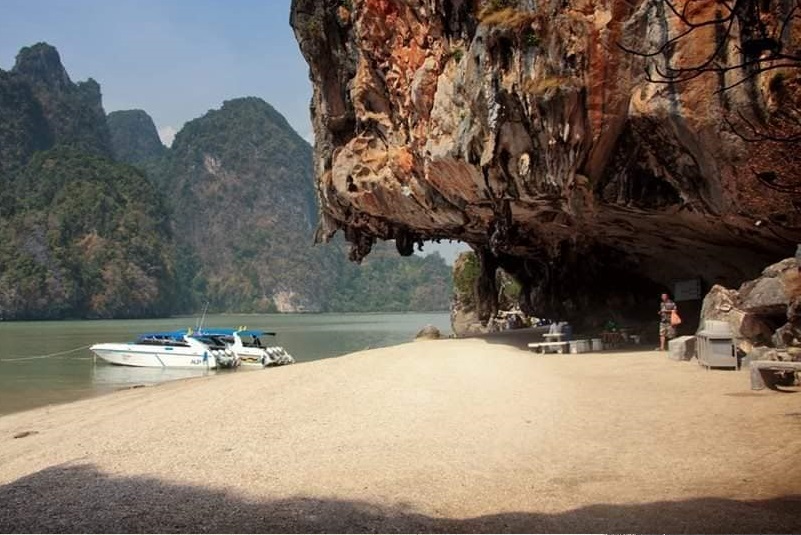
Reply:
x=561 y=347
x=770 y=373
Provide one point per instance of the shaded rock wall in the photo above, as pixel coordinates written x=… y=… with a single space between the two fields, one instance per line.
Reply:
x=522 y=128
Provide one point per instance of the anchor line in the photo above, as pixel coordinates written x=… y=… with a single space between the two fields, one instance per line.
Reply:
x=39 y=357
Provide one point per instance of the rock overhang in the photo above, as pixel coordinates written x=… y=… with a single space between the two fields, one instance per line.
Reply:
x=529 y=134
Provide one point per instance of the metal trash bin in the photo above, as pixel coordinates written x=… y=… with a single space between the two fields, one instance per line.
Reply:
x=715 y=345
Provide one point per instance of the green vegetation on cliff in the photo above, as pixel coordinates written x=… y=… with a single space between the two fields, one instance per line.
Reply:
x=239 y=183
x=73 y=112
x=80 y=235
x=385 y=282
x=23 y=128
x=227 y=215
x=466 y=272
x=88 y=237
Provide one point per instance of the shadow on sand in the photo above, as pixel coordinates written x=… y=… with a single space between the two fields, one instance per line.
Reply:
x=79 y=498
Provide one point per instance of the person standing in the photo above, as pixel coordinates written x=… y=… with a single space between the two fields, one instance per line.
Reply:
x=666 y=329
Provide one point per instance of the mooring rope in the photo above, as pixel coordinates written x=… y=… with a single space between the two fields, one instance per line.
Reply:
x=38 y=357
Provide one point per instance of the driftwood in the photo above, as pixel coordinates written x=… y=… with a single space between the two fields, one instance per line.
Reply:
x=773 y=373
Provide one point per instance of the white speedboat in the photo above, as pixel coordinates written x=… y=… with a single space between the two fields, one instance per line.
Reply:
x=248 y=346
x=163 y=350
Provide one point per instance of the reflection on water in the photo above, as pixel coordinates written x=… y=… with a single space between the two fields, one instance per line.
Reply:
x=25 y=384
x=108 y=377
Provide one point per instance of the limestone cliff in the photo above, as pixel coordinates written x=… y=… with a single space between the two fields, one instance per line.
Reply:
x=73 y=112
x=522 y=128
x=239 y=179
x=40 y=107
x=134 y=138
x=81 y=236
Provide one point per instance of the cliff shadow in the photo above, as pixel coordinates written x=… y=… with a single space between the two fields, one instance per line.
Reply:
x=80 y=498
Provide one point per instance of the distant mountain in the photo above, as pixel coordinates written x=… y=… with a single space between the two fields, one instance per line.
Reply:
x=80 y=234
x=73 y=113
x=86 y=237
x=226 y=215
x=239 y=181
x=244 y=209
x=134 y=138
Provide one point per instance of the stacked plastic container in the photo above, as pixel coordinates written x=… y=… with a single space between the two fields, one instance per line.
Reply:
x=580 y=346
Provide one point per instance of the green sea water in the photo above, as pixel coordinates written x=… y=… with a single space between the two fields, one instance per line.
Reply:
x=26 y=384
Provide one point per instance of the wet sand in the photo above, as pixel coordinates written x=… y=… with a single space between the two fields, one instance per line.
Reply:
x=451 y=435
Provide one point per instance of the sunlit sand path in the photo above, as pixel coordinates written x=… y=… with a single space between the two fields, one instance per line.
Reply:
x=451 y=435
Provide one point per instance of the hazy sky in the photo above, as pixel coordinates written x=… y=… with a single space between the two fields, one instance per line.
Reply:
x=174 y=59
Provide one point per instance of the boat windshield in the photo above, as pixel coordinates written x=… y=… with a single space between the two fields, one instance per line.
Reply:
x=253 y=341
x=215 y=341
x=222 y=338
x=161 y=339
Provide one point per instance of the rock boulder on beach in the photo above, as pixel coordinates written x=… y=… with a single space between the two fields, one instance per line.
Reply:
x=764 y=312
x=429 y=332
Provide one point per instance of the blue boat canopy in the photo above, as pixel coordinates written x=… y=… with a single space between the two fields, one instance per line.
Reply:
x=230 y=332
x=179 y=335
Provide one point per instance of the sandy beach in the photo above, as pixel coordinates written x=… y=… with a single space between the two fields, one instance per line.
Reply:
x=449 y=435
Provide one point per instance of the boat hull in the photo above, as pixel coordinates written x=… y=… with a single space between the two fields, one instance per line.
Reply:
x=154 y=356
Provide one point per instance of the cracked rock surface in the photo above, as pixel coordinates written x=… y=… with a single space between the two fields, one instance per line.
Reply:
x=527 y=132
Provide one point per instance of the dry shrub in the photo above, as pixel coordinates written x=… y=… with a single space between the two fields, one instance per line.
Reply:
x=507 y=18
x=543 y=85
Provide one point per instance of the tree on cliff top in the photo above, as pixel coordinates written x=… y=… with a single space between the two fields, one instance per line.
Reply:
x=763 y=28
x=764 y=32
